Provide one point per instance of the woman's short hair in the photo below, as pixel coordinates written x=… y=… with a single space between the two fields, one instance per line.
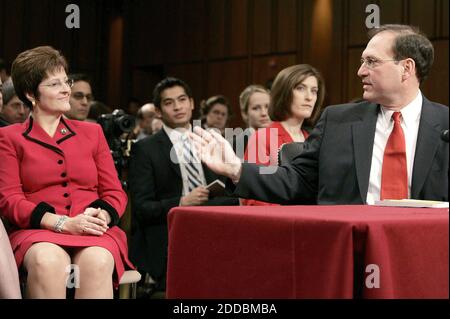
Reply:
x=246 y=94
x=31 y=67
x=281 y=94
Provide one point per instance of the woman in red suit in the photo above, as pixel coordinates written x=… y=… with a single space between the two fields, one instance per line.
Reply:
x=296 y=99
x=59 y=188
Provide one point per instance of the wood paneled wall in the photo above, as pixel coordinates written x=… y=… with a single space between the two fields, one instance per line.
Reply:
x=25 y=24
x=217 y=46
x=220 y=46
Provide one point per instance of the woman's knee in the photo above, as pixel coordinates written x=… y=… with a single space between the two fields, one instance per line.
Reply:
x=46 y=259
x=95 y=260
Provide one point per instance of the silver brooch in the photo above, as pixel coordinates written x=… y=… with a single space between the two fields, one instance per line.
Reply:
x=63 y=131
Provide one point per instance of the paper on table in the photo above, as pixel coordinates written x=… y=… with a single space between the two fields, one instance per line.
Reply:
x=411 y=203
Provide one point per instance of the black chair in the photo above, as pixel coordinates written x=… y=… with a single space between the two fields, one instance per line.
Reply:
x=288 y=151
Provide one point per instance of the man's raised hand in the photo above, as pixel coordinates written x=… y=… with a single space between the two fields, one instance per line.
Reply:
x=216 y=152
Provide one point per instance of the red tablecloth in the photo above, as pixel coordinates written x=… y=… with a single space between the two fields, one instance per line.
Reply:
x=307 y=252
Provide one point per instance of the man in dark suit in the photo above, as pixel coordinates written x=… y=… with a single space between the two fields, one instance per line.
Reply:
x=345 y=159
x=160 y=179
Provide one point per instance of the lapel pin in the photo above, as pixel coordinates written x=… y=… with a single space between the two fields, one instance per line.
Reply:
x=63 y=131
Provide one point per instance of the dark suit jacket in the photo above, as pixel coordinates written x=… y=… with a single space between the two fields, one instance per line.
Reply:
x=156 y=186
x=334 y=167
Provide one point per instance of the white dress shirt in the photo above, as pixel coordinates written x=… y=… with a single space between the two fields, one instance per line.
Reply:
x=176 y=153
x=410 y=124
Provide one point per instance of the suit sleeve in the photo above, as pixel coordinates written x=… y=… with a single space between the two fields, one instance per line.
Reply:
x=13 y=203
x=112 y=197
x=291 y=184
x=147 y=206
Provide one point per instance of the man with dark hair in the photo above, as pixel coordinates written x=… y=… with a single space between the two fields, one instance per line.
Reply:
x=410 y=43
x=386 y=147
x=165 y=173
x=80 y=98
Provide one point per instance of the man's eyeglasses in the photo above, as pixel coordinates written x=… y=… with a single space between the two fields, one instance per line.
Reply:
x=373 y=63
x=57 y=84
x=80 y=95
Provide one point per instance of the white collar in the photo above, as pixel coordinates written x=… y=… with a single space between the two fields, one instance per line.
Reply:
x=410 y=113
x=177 y=133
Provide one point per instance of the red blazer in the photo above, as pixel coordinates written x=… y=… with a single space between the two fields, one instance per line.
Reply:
x=260 y=151
x=63 y=175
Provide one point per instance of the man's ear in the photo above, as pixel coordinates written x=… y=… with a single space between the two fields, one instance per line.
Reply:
x=409 y=68
x=192 y=103
x=157 y=112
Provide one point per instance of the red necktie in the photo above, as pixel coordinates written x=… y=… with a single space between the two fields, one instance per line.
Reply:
x=394 y=176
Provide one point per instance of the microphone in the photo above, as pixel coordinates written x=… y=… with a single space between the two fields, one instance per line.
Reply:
x=444 y=135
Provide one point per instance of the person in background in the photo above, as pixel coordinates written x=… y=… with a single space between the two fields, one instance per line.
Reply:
x=13 y=110
x=133 y=106
x=216 y=112
x=4 y=71
x=297 y=95
x=254 y=102
x=164 y=173
x=145 y=117
x=80 y=98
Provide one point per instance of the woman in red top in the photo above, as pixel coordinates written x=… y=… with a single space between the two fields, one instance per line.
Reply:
x=296 y=97
x=59 y=188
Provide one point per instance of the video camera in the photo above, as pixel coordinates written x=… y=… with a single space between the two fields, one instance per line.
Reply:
x=115 y=126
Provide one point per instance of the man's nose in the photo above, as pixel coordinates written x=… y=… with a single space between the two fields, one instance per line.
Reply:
x=85 y=100
x=362 y=71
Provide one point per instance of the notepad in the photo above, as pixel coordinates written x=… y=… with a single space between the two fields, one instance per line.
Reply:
x=411 y=203
x=216 y=188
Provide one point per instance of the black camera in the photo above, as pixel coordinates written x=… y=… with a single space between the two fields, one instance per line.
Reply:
x=116 y=123
x=115 y=126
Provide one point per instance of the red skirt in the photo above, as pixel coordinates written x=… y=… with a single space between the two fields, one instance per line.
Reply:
x=114 y=240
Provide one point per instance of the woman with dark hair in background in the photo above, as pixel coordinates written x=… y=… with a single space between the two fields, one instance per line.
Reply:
x=59 y=188
x=296 y=99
